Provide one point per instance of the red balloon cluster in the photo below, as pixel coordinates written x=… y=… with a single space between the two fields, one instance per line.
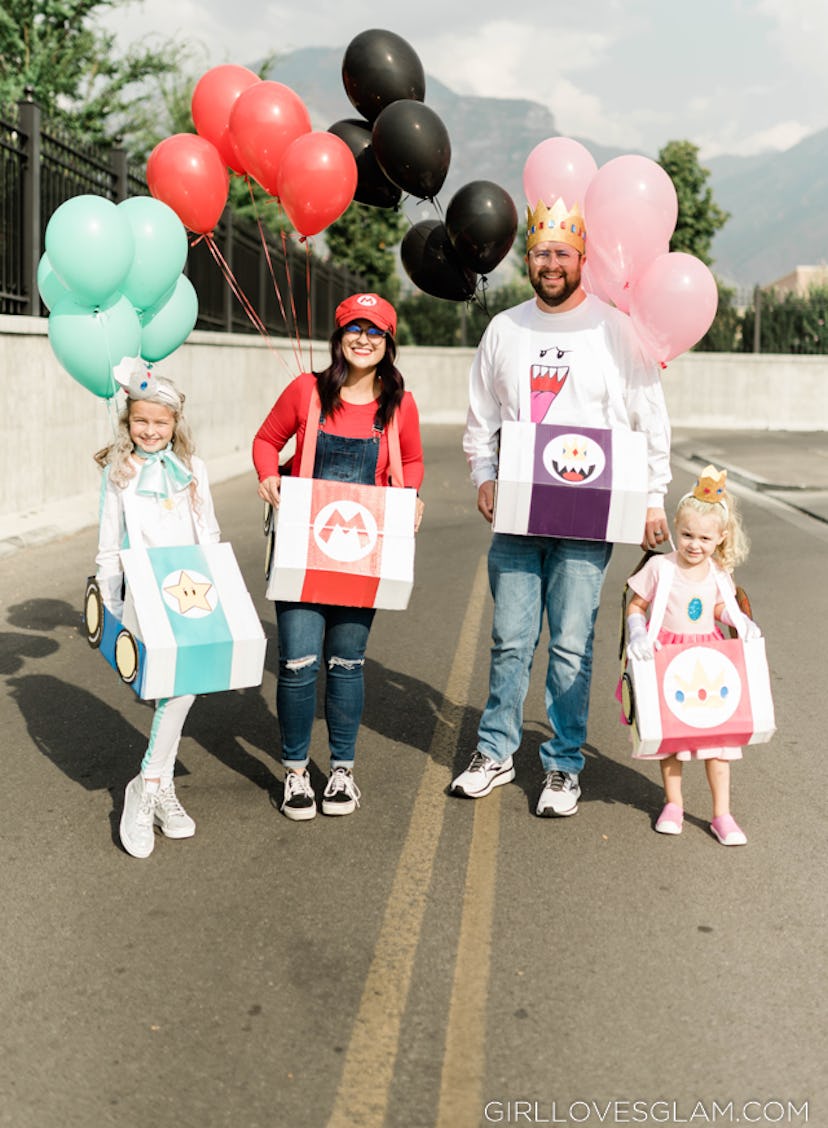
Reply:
x=260 y=129
x=630 y=209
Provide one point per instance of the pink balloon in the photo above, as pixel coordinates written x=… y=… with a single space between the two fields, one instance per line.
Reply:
x=634 y=179
x=673 y=304
x=557 y=167
x=317 y=181
x=619 y=248
x=591 y=282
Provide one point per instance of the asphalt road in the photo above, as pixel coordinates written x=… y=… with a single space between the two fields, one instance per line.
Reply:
x=428 y=961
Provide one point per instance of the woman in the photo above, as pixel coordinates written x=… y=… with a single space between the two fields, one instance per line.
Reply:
x=359 y=394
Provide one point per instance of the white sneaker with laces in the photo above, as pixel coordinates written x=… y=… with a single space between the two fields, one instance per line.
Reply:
x=560 y=794
x=299 y=802
x=171 y=816
x=482 y=775
x=341 y=795
x=136 y=827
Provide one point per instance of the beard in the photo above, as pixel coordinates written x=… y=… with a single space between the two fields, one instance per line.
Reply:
x=554 y=290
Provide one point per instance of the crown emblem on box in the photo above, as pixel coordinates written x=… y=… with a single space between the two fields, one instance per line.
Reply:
x=558 y=224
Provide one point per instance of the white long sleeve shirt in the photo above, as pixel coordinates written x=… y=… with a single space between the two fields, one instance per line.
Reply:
x=588 y=369
x=162 y=523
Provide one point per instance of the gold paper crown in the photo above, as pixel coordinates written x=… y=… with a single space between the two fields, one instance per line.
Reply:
x=711 y=485
x=558 y=224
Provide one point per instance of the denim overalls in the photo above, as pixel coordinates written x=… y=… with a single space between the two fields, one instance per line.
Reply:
x=307 y=631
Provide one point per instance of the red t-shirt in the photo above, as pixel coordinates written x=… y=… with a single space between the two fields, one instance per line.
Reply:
x=289 y=414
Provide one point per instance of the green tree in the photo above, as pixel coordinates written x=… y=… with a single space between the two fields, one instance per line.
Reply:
x=363 y=239
x=789 y=323
x=725 y=334
x=699 y=216
x=73 y=68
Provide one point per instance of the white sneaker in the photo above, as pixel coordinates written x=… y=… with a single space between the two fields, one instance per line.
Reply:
x=171 y=816
x=560 y=794
x=482 y=775
x=299 y=802
x=341 y=795
x=136 y=828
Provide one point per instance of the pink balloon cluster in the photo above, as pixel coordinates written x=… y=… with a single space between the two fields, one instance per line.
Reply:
x=630 y=209
x=261 y=129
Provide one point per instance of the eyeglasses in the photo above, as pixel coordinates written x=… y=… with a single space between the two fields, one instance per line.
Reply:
x=372 y=332
x=548 y=256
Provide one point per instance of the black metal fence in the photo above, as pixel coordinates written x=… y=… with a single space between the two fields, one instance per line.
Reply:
x=40 y=169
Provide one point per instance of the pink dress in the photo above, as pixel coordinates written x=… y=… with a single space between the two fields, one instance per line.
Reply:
x=689 y=618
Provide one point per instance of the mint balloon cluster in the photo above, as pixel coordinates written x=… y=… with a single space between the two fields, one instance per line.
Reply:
x=111 y=277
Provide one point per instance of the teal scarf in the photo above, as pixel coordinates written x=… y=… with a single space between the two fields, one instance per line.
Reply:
x=162 y=473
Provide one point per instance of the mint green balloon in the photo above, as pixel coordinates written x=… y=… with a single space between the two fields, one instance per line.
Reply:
x=170 y=324
x=90 y=246
x=160 y=240
x=49 y=286
x=90 y=341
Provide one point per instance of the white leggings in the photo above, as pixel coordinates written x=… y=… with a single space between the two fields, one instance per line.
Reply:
x=165 y=735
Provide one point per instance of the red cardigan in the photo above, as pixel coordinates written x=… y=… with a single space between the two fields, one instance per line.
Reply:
x=289 y=414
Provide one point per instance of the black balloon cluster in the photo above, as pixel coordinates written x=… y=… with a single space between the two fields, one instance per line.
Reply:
x=401 y=145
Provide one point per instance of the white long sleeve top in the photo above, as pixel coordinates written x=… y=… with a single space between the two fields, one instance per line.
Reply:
x=592 y=358
x=162 y=523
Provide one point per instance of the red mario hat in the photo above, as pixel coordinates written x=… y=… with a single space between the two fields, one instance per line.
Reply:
x=370 y=306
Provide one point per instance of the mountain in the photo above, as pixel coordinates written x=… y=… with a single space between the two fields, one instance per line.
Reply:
x=778 y=201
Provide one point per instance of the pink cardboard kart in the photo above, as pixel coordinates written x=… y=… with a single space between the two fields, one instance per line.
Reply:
x=711 y=695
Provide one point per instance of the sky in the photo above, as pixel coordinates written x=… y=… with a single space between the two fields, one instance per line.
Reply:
x=732 y=76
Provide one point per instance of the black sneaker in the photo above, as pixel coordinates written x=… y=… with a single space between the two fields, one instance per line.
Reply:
x=341 y=795
x=299 y=802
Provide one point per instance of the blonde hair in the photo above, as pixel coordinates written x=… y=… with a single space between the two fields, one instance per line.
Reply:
x=118 y=455
x=735 y=546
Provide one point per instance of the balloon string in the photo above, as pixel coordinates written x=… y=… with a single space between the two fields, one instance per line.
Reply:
x=291 y=290
x=308 y=295
x=297 y=349
x=244 y=301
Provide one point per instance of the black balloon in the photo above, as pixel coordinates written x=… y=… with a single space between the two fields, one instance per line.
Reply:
x=412 y=148
x=432 y=263
x=373 y=186
x=378 y=68
x=481 y=221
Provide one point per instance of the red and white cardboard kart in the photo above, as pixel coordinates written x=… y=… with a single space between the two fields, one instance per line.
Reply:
x=342 y=543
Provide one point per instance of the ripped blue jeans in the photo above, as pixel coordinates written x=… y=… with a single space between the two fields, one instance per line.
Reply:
x=309 y=633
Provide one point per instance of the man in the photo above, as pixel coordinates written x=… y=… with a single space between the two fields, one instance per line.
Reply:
x=562 y=357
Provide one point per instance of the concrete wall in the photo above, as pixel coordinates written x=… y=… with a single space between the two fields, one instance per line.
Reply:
x=50 y=426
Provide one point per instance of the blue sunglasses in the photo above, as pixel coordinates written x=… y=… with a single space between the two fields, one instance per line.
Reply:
x=369 y=331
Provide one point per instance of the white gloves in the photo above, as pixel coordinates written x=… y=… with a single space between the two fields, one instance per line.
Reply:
x=639 y=645
x=746 y=628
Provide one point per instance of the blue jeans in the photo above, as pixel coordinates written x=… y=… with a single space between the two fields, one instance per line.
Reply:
x=530 y=576
x=307 y=633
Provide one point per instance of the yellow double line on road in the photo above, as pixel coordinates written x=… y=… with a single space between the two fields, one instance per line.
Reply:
x=362 y=1097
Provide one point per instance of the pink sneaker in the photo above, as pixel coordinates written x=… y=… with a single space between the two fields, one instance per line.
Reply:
x=728 y=831
x=670 y=819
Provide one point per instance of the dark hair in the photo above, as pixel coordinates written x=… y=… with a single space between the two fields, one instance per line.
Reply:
x=330 y=381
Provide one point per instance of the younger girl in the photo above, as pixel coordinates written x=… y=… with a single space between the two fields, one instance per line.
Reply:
x=709 y=540
x=151 y=472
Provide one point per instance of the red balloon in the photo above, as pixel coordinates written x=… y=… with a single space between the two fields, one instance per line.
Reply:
x=317 y=181
x=214 y=96
x=265 y=119
x=187 y=174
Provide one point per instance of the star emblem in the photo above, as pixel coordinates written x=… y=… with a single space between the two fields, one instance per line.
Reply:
x=190 y=594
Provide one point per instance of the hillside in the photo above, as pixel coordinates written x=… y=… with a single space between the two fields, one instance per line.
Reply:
x=492 y=137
